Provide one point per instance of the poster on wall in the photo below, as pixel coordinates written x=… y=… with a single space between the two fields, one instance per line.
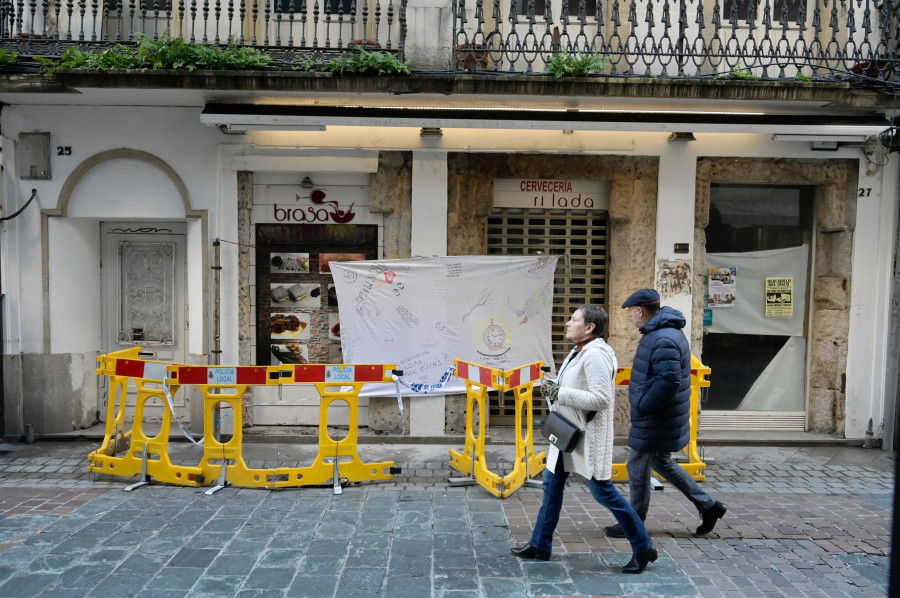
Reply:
x=779 y=296
x=673 y=278
x=722 y=287
x=423 y=313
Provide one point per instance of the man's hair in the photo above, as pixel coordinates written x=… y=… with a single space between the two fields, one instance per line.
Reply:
x=596 y=315
x=651 y=308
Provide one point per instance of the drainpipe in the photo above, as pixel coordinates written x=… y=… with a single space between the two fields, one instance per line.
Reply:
x=217 y=349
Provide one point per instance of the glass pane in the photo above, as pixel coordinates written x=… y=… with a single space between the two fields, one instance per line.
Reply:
x=758 y=217
x=749 y=219
x=147 y=293
x=741 y=9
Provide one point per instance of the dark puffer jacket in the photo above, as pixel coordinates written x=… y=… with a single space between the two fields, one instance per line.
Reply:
x=660 y=386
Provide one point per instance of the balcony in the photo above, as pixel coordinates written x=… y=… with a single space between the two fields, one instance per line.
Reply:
x=819 y=40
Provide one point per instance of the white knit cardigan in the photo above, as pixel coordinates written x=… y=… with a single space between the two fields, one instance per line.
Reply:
x=587 y=383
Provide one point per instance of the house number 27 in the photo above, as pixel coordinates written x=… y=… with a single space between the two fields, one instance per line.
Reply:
x=63 y=150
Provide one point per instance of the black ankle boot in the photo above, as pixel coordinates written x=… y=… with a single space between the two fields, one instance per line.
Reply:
x=530 y=552
x=639 y=561
x=710 y=517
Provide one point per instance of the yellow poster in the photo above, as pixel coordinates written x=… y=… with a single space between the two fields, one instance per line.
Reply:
x=779 y=296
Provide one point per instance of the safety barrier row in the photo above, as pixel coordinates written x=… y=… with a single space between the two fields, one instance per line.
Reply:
x=694 y=465
x=478 y=380
x=223 y=461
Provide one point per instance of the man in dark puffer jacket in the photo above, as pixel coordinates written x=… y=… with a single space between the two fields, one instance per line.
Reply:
x=660 y=397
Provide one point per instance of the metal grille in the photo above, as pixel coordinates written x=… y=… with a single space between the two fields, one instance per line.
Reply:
x=579 y=237
x=147 y=293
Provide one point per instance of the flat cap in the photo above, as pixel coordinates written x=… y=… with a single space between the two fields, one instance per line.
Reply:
x=642 y=297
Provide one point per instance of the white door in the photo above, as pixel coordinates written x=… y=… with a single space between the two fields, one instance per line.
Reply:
x=143 y=268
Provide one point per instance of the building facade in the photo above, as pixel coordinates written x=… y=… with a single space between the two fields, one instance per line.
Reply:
x=765 y=211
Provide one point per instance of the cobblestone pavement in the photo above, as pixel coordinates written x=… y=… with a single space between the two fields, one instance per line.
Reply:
x=801 y=522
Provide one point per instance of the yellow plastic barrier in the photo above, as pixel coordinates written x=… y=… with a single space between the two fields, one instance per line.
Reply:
x=695 y=464
x=224 y=384
x=521 y=381
x=146 y=455
x=478 y=380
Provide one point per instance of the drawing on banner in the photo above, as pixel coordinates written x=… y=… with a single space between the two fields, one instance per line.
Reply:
x=536 y=303
x=779 y=296
x=483 y=299
x=673 y=278
x=289 y=263
x=491 y=310
x=722 y=287
x=540 y=267
x=494 y=336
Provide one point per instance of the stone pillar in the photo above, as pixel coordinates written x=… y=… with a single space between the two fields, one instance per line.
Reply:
x=391 y=195
x=244 y=209
x=429 y=238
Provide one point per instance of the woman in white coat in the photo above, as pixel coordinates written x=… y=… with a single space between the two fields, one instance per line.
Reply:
x=586 y=383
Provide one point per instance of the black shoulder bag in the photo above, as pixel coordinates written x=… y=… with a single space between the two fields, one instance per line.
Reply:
x=562 y=432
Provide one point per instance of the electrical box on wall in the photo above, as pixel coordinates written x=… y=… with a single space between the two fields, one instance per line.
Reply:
x=34 y=155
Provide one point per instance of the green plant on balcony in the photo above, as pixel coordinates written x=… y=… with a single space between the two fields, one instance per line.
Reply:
x=737 y=75
x=359 y=61
x=563 y=64
x=167 y=53
x=7 y=57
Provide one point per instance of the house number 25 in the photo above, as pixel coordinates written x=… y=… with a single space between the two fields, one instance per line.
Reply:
x=63 y=150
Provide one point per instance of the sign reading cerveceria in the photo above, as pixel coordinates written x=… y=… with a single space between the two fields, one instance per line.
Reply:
x=557 y=194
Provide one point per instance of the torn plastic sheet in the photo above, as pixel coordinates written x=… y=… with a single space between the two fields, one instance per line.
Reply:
x=782 y=385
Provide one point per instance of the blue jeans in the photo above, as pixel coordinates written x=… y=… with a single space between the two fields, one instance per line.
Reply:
x=639 y=465
x=604 y=492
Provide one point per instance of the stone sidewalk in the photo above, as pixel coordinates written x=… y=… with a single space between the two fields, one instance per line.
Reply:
x=802 y=521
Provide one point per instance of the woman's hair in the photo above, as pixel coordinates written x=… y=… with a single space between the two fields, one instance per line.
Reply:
x=593 y=314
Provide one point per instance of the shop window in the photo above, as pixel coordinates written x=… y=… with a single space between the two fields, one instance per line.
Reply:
x=297 y=318
x=574 y=6
x=755 y=348
x=741 y=9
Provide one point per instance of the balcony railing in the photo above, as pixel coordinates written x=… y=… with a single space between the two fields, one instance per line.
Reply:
x=288 y=30
x=766 y=39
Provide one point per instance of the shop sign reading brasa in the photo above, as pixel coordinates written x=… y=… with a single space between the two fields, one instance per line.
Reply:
x=557 y=194
x=313 y=209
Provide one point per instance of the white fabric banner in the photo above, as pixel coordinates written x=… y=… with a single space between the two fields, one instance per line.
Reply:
x=748 y=316
x=423 y=313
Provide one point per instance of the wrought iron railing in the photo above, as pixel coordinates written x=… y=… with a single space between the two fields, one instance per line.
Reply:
x=288 y=30
x=766 y=39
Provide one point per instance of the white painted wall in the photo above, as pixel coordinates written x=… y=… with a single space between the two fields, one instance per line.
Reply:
x=429 y=204
x=118 y=189
x=675 y=214
x=126 y=189
x=870 y=299
x=74 y=285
